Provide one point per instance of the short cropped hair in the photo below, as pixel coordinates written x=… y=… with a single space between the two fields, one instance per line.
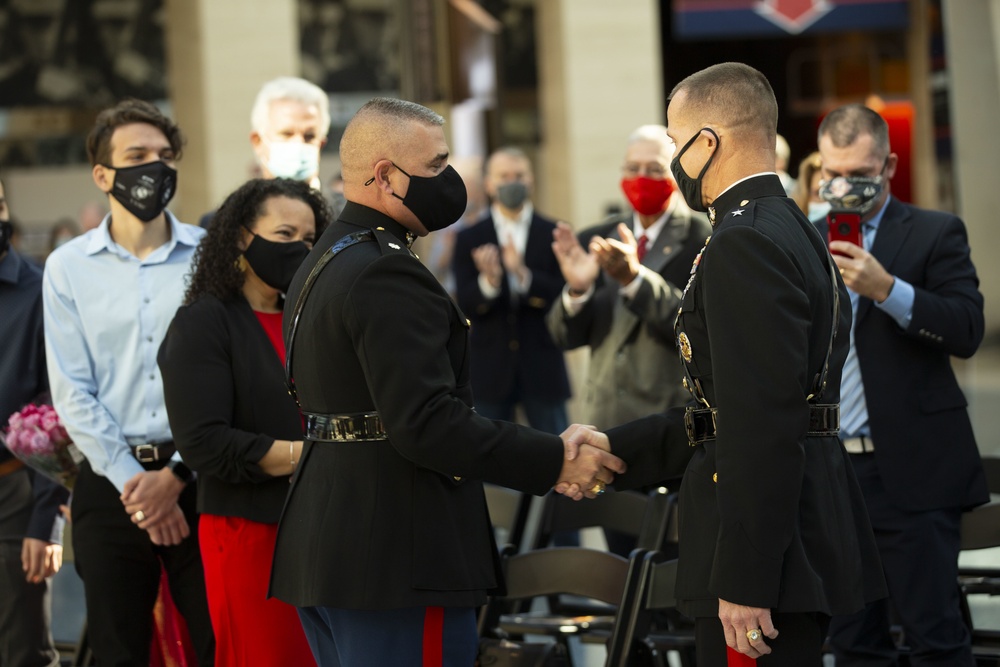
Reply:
x=845 y=124
x=127 y=112
x=509 y=151
x=733 y=94
x=391 y=107
x=294 y=89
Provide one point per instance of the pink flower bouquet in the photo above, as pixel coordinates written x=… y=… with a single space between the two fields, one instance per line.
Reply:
x=36 y=436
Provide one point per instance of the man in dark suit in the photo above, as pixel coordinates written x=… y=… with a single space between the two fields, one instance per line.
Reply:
x=621 y=298
x=917 y=302
x=385 y=542
x=774 y=534
x=506 y=278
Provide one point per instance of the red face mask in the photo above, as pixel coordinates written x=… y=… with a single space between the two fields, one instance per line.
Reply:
x=647 y=195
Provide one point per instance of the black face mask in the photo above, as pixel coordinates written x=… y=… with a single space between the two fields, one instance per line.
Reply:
x=437 y=201
x=6 y=231
x=145 y=189
x=691 y=187
x=275 y=263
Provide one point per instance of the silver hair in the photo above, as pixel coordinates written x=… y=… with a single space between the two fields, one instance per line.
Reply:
x=289 y=88
x=654 y=133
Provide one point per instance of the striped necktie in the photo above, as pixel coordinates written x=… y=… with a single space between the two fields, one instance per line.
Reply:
x=853 y=409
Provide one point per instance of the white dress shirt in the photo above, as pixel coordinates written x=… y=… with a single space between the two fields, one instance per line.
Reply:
x=508 y=230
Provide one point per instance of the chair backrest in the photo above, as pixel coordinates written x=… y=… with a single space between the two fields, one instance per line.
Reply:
x=991 y=465
x=643 y=516
x=653 y=589
x=586 y=573
x=508 y=513
x=981 y=527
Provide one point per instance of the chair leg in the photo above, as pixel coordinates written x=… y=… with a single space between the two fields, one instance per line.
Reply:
x=83 y=657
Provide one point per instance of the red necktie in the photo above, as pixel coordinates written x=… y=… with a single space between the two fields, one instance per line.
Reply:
x=640 y=248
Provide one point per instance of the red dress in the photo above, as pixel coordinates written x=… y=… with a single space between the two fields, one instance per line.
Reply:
x=250 y=629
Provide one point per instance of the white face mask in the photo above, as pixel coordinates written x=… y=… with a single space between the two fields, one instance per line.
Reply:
x=818 y=210
x=292 y=159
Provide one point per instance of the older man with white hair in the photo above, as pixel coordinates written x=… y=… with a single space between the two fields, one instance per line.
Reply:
x=290 y=121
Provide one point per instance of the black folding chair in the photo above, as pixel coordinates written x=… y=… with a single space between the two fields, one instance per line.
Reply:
x=534 y=577
x=648 y=627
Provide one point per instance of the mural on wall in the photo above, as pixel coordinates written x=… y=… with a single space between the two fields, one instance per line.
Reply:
x=63 y=60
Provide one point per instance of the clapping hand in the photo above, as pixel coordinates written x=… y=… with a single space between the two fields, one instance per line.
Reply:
x=579 y=268
x=487 y=260
x=589 y=465
x=619 y=258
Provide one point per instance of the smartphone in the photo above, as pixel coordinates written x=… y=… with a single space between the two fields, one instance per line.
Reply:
x=844 y=226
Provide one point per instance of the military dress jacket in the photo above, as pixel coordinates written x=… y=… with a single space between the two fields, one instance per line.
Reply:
x=633 y=368
x=398 y=522
x=513 y=354
x=769 y=516
x=925 y=448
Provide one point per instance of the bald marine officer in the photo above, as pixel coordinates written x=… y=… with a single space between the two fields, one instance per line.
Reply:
x=385 y=544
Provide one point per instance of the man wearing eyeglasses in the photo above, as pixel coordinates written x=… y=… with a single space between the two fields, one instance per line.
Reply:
x=904 y=421
x=621 y=297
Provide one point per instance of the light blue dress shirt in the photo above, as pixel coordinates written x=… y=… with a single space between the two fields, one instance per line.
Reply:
x=898 y=306
x=106 y=312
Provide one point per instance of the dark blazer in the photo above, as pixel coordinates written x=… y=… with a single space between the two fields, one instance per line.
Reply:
x=403 y=521
x=769 y=516
x=223 y=384
x=511 y=346
x=924 y=446
x=634 y=369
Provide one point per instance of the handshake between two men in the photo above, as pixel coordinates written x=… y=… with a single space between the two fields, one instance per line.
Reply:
x=589 y=465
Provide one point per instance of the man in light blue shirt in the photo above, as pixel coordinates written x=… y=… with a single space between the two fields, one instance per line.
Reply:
x=916 y=302
x=109 y=297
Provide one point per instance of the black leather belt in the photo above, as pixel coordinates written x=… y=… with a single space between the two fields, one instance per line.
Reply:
x=344 y=428
x=150 y=452
x=700 y=423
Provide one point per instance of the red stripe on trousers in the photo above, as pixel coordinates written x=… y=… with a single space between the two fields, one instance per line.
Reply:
x=736 y=659
x=434 y=637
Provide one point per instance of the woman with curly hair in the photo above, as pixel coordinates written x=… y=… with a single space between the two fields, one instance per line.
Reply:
x=232 y=419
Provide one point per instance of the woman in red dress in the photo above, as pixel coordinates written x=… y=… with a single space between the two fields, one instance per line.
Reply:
x=233 y=421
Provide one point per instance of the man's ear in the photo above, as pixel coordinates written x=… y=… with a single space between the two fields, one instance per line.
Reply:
x=381 y=177
x=255 y=138
x=103 y=177
x=890 y=166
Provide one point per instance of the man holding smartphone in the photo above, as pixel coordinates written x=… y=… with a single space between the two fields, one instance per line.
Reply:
x=916 y=302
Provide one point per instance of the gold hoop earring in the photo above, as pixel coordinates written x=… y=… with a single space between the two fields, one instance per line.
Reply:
x=241 y=264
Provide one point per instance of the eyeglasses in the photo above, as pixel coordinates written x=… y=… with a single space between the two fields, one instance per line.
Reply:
x=654 y=170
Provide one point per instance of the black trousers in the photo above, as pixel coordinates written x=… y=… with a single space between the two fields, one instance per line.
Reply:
x=799 y=642
x=25 y=609
x=120 y=568
x=919 y=553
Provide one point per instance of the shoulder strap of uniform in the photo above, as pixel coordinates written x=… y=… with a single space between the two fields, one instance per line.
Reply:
x=819 y=384
x=343 y=244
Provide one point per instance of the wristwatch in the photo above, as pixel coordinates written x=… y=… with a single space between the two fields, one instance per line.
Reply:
x=181 y=471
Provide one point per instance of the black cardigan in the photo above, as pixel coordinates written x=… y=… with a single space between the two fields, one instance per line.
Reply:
x=226 y=400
